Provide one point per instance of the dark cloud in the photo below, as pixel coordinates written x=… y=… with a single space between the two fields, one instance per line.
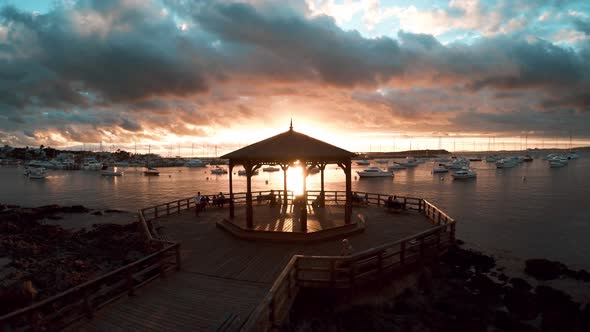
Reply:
x=104 y=66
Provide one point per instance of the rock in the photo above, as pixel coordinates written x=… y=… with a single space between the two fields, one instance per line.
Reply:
x=520 y=284
x=544 y=269
x=559 y=311
x=459 y=242
x=97 y=213
x=75 y=209
x=503 y=277
x=521 y=304
x=583 y=275
x=507 y=323
x=114 y=211
x=484 y=285
x=466 y=259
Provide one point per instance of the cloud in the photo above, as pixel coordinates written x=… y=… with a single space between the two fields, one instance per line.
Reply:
x=126 y=70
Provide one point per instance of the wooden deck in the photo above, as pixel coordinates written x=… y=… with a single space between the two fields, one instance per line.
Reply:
x=277 y=219
x=225 y=277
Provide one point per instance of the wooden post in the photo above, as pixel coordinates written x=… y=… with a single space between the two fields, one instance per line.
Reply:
x=88 y=305
x=348 y=206
x=378 y=200
x=271 y=312
x=178 y=260
x=156 y=211
x=303 y=211
x=249 y=218
x=167 y=208
x=402 y=254
x=231 y=191
x=332 y=273
x=285 y=167
x=130 y=290
x=322 y=193
x=453 y=233
x=178 y=206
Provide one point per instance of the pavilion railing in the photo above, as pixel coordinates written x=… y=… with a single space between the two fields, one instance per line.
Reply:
x=148 y=217
x=61 y=310
x=346 y=272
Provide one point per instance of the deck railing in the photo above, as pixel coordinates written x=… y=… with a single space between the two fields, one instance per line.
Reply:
x=61 y=310
x=333 y=271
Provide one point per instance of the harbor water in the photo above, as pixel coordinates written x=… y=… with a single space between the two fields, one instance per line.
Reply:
x=528 y=211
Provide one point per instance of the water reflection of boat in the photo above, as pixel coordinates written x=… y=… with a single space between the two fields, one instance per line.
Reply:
x=218 y=170
x=242 y=172
x=111 y=172
x=363 y=162
x=396 y=167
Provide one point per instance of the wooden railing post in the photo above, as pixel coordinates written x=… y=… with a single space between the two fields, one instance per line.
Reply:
x=453 y=233
x=34 y=321
x=438 y=221
x=156 y=211
x=177 y=206
x=402 y=253
x=332 y=273
x=378 y=200
x=271 y=311
x=438 y=240
x=336 y=197
x=130 y=289
x=178 y=261
x=167 y=209
x=88 y=308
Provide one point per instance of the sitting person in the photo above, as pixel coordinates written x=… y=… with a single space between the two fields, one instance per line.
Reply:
x=394 y=204
x=318 y=201
x=272 y=198
x=219 y=200
x=356 y=198
x=198 y=199
x=366 y=200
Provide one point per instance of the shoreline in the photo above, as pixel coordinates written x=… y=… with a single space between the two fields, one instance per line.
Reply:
x=464 y=290
x=40 y=258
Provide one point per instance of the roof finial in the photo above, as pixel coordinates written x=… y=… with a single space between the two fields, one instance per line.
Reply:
x=291 y=125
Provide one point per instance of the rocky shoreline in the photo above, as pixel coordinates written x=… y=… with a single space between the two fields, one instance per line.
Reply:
x=464 y=291
x=39 y=259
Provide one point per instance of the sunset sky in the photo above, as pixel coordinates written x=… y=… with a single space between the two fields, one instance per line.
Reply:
x=364 y=75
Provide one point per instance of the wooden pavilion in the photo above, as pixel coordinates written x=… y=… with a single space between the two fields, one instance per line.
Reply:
x=284 y=150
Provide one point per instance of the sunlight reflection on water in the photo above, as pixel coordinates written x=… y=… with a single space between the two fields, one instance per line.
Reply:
x=543 y=215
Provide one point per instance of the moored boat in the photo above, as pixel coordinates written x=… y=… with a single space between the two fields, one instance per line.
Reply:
x=373 y=172
x=271 y=169
x=150 y=171
x=396 y=167
x=440 y=169
x=363 y=162
x=195 y=163
x=111 y=172
x=464 y=173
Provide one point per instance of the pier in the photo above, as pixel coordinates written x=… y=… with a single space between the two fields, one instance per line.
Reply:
x=240 y=267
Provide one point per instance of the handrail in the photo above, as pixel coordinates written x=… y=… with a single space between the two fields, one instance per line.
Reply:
x=91 y=290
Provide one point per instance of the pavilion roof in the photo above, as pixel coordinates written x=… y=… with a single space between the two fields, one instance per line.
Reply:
x=290 y=146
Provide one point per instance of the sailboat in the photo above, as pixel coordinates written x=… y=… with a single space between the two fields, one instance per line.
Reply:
x=150 y=171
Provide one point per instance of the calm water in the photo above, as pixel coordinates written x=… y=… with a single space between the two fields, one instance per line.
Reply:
x=546 y=215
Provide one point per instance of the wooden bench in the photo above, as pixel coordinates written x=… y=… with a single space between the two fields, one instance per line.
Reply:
x=271 y=198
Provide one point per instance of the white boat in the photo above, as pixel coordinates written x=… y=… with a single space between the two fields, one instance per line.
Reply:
x=111 y=172
x=492 y=158
x=527 y=158
x=37 y=173
x=271 y=169
x=442 y=160
x=506 y=163
x=150 y=171
x=556 y=163
x=363 y=162
x=92 y=165
x=572 y=155
x=396 y=167
x=410 y=162
x=439 y=169
x=457 y=164
x=382 y=161
x=195 y=163
x=218 y=170
x=242 y=172
x=313 y=170
x=464 y=173
x=374 y=172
